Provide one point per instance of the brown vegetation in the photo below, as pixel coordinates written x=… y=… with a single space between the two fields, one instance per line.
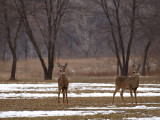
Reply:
x=98 y=67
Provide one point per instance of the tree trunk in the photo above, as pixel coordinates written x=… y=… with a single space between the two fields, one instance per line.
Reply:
x=12 y=47
x=117 y=68
x=4 y=51
x=47 y=76
x=86 y=54
x=50 y=69
x=145 y=58
x=26 y=49
x=13 y=72
x=132 y=27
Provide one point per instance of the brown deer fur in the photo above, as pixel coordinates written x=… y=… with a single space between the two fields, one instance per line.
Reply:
x=63 y=83
x=126 y=82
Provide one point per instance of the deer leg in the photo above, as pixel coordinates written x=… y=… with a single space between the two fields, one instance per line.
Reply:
x=135 y=90
x=66 y=95
x=122 y=97
x=131 y=96
x=59 y=90
x=116 y=90
x=63 y=94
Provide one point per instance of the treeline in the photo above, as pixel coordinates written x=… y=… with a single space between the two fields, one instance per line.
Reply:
x=77 y=29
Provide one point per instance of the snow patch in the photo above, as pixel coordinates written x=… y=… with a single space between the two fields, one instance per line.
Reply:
x=43 y=95
x=10 y=114
x=17 y=91
x=151 y=118
x=115 y=107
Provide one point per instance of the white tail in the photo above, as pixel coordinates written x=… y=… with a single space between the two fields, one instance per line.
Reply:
x=126 y=82
x=63 y=83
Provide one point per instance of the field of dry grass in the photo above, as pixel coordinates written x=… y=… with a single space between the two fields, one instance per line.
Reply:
x=32 y=69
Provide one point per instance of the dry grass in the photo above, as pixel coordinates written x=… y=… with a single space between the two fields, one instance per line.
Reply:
x=86 y=67
x=32 y=69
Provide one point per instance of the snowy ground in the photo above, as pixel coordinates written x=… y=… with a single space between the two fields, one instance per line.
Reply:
x=23 y=91
x=79 y=111
x=42 y=90
x=7 y=114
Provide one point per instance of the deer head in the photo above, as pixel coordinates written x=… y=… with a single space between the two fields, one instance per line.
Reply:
x=62 y=68
x=136 y=69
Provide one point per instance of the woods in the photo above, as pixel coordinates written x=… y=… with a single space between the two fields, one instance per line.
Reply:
x=53 y=29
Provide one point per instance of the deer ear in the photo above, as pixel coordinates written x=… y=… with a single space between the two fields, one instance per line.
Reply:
x=66 y=64
x=58 y=65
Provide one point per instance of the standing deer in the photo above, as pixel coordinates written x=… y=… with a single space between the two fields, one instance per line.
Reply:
x=63 y=83
x=126 y=82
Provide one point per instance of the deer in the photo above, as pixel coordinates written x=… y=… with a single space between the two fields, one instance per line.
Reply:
x=127 y=82
x=63 y=83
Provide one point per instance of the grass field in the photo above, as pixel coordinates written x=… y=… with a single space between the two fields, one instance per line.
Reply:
x=31 y=69
x=37 y=100
x=90 y=92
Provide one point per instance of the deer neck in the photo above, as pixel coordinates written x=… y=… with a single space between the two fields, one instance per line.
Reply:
x=137 y=75
x=63 y=74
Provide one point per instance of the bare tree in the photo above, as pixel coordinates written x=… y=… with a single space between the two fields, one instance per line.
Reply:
x=3 y=45
x=53 y=13
x=10 y=37
x=3 y=42
x=150 y=26
x=121 y=23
